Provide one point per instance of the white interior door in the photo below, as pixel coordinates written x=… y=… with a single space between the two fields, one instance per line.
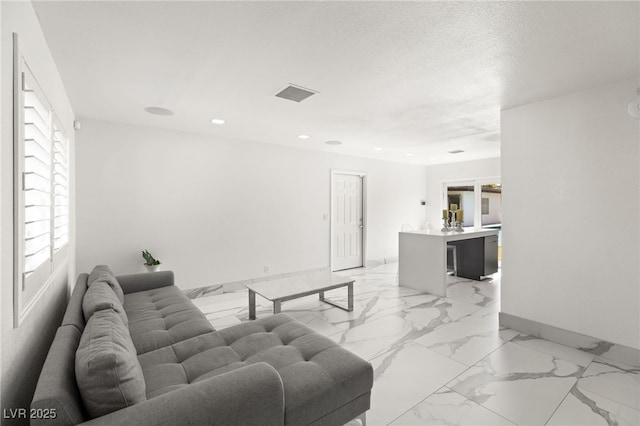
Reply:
x=347 y=224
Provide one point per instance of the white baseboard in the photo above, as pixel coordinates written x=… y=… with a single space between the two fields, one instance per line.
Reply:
x=592 y=345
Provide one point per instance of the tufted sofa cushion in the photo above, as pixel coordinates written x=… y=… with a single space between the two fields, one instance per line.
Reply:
x=161 y=317
x=318 y=375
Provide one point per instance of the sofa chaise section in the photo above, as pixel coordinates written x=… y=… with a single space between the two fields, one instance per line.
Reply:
x=320 y=378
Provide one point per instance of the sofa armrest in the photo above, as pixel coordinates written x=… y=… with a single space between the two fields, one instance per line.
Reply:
x=133 y=283
x=249 y=396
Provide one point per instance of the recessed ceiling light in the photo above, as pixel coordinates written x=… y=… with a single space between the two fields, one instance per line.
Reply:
x=408 y=154
x=158 y=111
x=377 y=149
x=333 y=143
x=217 y=121
x=303 y=136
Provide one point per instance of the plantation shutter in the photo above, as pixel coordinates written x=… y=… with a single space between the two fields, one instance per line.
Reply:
x=41 y=189
x=36 y=185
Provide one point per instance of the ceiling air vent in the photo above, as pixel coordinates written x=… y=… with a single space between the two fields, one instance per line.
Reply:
x=295 y=93
x=456 y=151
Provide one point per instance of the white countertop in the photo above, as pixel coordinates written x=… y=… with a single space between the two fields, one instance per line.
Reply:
x=452 y=235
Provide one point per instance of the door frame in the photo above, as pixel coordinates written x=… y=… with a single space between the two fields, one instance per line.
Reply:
x=363 y=188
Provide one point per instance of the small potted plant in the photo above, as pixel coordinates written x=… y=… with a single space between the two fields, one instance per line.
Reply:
x=151 y=263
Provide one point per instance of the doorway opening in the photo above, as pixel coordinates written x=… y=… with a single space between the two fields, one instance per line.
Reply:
x=347 y=220
x=461 y=197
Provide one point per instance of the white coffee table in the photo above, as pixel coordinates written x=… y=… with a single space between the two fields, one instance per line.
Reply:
x=288 y=288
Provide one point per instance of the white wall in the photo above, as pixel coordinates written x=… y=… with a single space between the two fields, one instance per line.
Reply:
x=571 y=212
x=218 y=210
x=438 y=174
x=24 y=348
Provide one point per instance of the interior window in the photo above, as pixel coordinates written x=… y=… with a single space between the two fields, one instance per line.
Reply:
x=462 y=197
x=41 y=150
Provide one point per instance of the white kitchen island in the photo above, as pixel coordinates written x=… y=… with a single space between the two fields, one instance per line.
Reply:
x=422 y=260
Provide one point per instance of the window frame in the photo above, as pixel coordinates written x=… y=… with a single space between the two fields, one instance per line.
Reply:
x=28 y=289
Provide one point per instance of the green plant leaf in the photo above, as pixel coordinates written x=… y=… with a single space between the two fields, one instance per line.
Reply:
x=149 y=259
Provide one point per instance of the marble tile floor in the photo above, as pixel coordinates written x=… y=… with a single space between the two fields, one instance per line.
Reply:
x=446 y=361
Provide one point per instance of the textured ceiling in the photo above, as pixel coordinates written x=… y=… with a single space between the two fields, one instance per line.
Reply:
x=421 y=78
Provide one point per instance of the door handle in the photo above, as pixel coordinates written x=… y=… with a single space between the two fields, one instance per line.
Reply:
x=361 y=226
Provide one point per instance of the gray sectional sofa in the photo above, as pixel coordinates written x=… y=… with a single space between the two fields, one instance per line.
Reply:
x=134 y=350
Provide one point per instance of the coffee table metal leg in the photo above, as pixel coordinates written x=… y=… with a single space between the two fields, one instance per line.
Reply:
x=349 y=307
x=252 y=304
x=277 y=306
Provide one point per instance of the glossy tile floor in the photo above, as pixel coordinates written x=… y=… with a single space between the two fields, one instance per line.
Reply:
x=445 y=361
